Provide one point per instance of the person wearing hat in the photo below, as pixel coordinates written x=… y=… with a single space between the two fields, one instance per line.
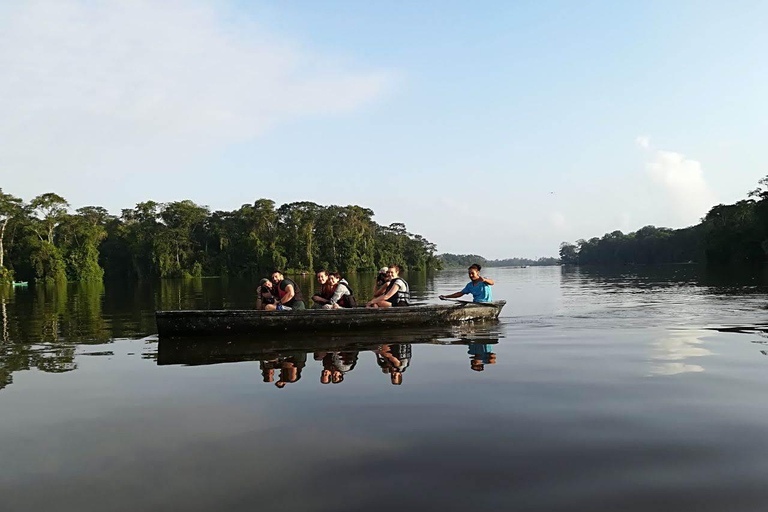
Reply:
x=264 y=294
x=382 y=282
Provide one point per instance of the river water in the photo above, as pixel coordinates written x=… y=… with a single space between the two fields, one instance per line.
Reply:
x=632 y=389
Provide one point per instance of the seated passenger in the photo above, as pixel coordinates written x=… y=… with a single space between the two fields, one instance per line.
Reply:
x=479 y=287
x=288 y=294
x=264 y=294
x=343 y=296
x=326 y=289
x=382 y=281
x=397 y=294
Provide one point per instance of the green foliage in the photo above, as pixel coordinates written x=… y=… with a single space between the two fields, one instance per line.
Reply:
x=48 y=263
x=465 y=260
x=11 y=207
x=182 y=239
x=729 y=234
x=6 y=276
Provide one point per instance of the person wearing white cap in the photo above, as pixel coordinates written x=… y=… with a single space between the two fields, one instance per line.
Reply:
x=382 y=282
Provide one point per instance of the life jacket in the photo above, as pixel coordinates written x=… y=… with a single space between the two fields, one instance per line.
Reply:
x=346 y=301
x=403 y=294
x=296 y=291
x=326 y=291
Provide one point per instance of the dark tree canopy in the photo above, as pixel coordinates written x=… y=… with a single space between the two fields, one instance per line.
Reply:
x=44 y=241
x=729 y=234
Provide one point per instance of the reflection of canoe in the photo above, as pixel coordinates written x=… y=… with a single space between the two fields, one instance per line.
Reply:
x=213 y=350
x=201 y=322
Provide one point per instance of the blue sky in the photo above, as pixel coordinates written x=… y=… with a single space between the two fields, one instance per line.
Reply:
x=498 y=128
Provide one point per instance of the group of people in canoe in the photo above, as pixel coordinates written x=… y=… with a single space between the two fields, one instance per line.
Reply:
x=279 y=293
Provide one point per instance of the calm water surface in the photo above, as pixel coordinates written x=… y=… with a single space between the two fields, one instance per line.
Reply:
x=634 y=390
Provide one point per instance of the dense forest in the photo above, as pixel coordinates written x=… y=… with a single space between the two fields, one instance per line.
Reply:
x=729 y=234
x=465 y=260
x=44 y=240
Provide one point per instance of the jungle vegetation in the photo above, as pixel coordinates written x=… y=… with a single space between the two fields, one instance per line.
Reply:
x=733 y=234
x=465 y=260
x=44 y=240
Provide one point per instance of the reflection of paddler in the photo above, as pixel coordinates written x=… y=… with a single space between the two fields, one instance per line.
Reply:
x=394 y=360
x=481 y=355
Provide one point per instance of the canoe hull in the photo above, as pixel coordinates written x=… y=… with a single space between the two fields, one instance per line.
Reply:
x=217 y=322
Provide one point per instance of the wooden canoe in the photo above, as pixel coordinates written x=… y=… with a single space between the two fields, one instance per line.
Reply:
x=217 y=322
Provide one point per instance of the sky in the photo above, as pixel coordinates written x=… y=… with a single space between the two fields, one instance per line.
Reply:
x=499 y=128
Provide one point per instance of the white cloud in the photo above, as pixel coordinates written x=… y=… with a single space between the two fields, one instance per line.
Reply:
x=682 y=181
x=143 y=86
x=643 y=141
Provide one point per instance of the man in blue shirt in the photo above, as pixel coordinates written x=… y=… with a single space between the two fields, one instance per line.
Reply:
x=479 y=287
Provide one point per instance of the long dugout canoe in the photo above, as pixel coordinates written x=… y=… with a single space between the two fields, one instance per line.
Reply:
x=215 y=322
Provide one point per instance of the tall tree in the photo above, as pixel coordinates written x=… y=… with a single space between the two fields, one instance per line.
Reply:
x=10 y=207
x=49 y=209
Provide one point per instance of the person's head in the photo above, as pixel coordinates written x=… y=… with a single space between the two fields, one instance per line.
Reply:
x=325 y=377
x=280 y=384
x=476 y=364
x=393 y=271
x=268 y=375
x=396 y=378
x=334 y=278
x=337 y=376
x=474 y=271
x=277 y=276
x=322 y=276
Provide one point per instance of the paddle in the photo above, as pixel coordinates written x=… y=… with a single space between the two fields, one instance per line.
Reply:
x=468 y=302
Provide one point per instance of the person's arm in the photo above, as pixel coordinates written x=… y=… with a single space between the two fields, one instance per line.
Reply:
x=341 y=291
x=457 y=294
x=386 y=296
x=319 y=299
x=489 y=282
x=288 y=295
x=380 y=290
x=259 y=302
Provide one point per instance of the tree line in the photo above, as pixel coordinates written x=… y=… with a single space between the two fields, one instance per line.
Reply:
x=728 y=234
x=465 y=260
x=44 y=240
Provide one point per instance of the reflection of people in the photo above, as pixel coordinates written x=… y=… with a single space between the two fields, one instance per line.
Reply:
x=264 y=294
x=268 y=369
x=326 y=289
x=288 y=293
x=290 y=368
x=336 y=365
x=479 y=287
x=481 y=355
x=397 y=294
x=394 y=359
